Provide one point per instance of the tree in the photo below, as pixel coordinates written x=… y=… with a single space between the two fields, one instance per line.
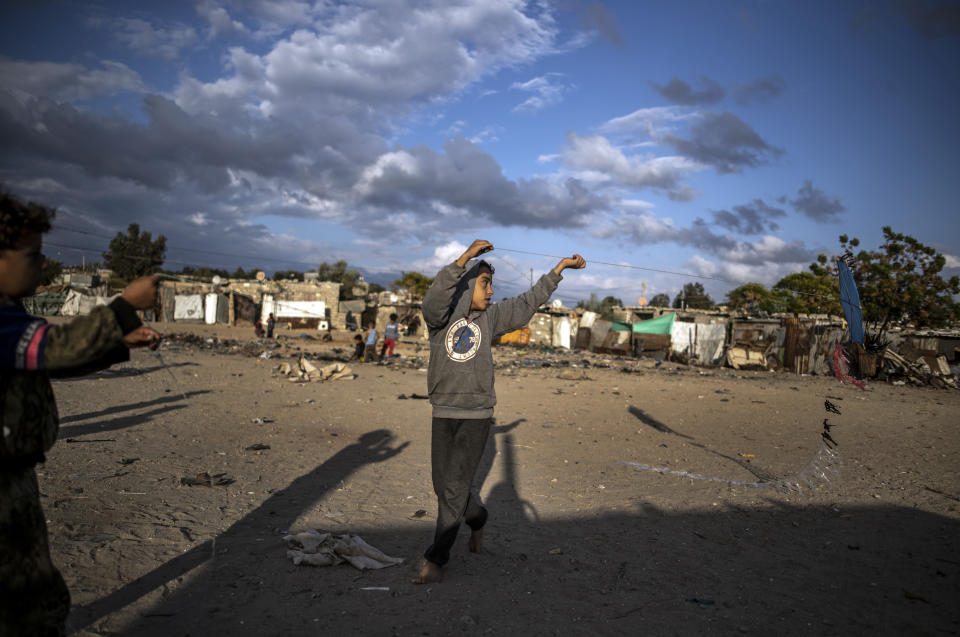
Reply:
x=660 y=300
x=135 y=254
x=51 y=270
x=340 y=273
x=376 y=288
x=693 y=296
x=814 y=292
x=281 y=275
x=901 y=281
x=751 y=297
x=240 y=274
x=604 y=308
x=414 y=281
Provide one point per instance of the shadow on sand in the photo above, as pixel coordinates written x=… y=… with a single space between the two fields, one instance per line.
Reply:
x=782 y=568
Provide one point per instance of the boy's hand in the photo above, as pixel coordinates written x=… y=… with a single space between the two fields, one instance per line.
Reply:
x=478 y=247
x=142 y=292
x=575 y=262
x=142 y=337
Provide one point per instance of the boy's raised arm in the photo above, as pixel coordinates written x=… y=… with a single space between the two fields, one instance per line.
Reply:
x=436 y=302
x=512 y=314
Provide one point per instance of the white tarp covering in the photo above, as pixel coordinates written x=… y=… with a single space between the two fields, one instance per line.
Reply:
x=188 y=306
x=77 y=304
x=297 y=309
x=210 y=309
x=701 y=340
x=561 y=331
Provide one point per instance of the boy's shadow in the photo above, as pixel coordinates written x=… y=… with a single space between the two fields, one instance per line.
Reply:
x=279 y=510
x=505 y=493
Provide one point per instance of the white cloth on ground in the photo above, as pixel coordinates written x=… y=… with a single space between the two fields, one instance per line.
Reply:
x=319 y=548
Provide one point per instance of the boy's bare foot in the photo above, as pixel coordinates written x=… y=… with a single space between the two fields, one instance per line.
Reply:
x=476 y=539
x=430 y=573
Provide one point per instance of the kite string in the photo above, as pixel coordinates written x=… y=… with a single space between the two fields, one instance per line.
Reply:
x=646 y=269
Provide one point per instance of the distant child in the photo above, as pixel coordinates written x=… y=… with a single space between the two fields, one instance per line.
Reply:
x=358 y=347
x=258 y=328
x=390 y=335
x=463 y=323
x=370 y=338
x=270 y=323
x=35 y=600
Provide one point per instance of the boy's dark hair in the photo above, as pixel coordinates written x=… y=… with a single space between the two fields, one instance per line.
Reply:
x=393 y=317
x=484 y=266
x=18 y=219
x=357 y=337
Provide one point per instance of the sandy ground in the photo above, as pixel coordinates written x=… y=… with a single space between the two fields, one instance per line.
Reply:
x=577 y=543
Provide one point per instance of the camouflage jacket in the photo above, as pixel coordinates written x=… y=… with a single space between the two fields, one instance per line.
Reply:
x=31 y=352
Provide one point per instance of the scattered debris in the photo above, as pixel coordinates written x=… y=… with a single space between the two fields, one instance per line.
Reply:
x=321 y=548
x=204 y=479
x=305 y=371
x=415 y=396
x=257 y=447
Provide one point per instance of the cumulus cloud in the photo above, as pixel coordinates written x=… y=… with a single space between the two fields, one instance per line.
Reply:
x=221 y=24
x=706 y=91
x=755 y=217
x=725 y=142
x=546 y=89
x=816 y=204
x=596 y=154
x=596 y=17
x=643 y=228
x=759 y=90
x=68 y=82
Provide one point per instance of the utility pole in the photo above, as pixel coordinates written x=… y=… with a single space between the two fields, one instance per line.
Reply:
x=531 y=277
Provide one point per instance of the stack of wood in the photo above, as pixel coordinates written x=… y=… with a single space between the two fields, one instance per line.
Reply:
x=928 y=369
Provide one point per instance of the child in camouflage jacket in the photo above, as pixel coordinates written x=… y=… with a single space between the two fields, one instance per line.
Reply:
x=35 y=600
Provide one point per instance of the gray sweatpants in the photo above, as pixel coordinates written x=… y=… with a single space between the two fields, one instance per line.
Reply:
x=456 y=449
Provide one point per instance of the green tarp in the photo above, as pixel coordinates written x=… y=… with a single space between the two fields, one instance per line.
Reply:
x=659 y=325
x=619 y=326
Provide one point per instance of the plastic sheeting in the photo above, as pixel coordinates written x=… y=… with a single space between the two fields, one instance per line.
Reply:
x=188 y=307
x=703 y=341
x=77 y=304
x=660 y=325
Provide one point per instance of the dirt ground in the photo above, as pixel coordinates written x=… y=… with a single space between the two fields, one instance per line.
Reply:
x=577 y=542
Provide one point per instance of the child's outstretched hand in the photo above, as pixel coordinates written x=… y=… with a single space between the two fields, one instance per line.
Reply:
x=142 y=292
x=575 y=262
x=478 y=247
x=142 y=337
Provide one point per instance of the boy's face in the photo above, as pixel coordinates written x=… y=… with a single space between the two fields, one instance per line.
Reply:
x=21 y=267
x=482 y=291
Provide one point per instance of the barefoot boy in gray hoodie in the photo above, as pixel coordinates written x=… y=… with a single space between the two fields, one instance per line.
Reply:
x=462 y=324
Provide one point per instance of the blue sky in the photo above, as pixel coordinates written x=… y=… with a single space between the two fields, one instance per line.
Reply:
x=731 y=140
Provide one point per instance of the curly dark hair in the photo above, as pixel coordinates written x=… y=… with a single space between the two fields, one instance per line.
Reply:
x=19 y=218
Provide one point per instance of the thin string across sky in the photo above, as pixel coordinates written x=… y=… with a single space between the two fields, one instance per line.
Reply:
x=496 y=248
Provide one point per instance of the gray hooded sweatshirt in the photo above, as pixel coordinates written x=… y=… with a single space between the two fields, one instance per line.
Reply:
x=460 y=375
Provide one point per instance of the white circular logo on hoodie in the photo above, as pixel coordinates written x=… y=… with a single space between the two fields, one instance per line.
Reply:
x=463 y=340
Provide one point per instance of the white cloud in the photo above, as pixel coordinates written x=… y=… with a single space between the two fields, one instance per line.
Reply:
x=598 y=155
x=547 y=92
x=221 y=24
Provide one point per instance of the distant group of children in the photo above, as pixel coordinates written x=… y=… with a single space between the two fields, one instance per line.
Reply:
x=258 y=327
x=365 y=345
